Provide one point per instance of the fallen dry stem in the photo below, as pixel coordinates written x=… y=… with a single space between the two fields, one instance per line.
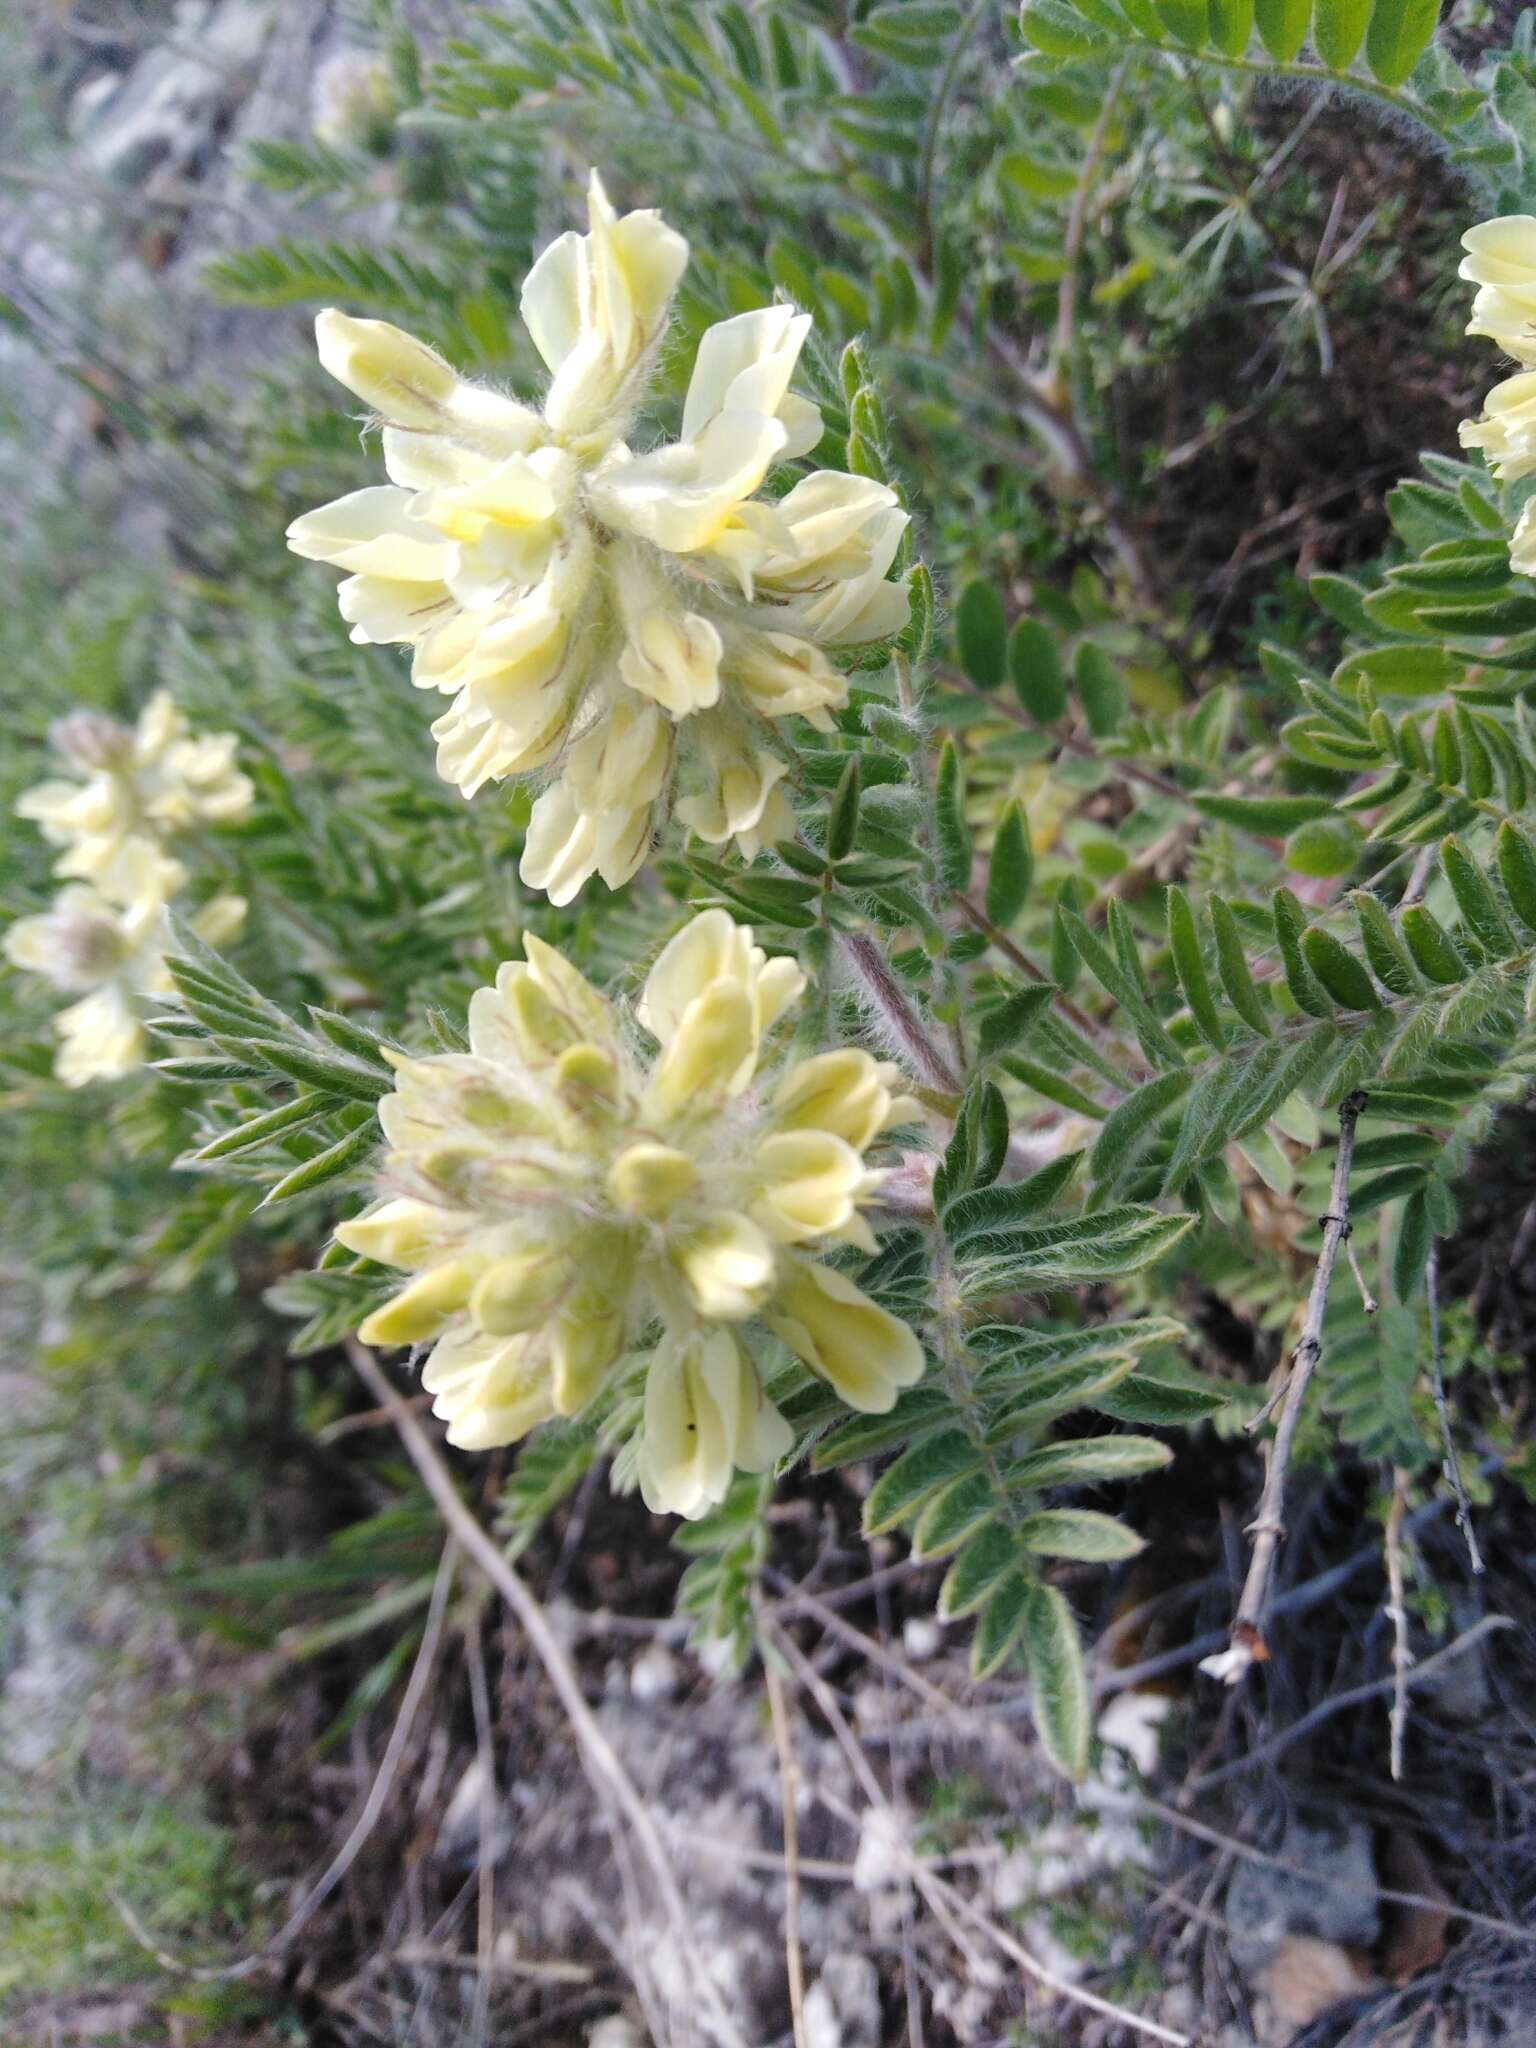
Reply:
x=367 y=1820
x=605 y=1771
x=794 y=1959
x=946 y=1903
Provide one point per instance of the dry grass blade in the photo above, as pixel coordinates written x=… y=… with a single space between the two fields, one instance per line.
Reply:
x=603 y=1766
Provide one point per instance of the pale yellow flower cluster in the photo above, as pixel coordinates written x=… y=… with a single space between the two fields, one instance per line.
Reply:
x=105 y=936
x=1501 y=262
x=631 y=620
x=562 y=1198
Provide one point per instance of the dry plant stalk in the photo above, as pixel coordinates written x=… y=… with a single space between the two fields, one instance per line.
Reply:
x=1397 y=1614
x=1247 y=1646
x=605 y=1771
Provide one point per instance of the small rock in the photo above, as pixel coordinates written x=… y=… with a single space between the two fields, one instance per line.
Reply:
x=1307 y=1976
x=615 y=2030
x=653 y=1675
x=922 y=1637
x=882 y=1857
x=1336 y=1900
x=842 y=2008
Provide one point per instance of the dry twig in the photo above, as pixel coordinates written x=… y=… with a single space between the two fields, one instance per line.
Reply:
x=1451 y=1465
x=794 y=1959
x=1397 y=1614
x=605 y=1771
x=1247 y=1646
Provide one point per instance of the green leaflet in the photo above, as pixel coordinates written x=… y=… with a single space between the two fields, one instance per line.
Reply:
x=1432 y=948
x=1057 y=1390
x=1101 y=1246
x=1002 y=1623
x=917 y=1474
x=1517 y=871
x=1125 y=1127
x=1411 y=1252
x=1113 y=978
x=1339 y=972
x=292 y=1116
x=1476 y=901
x=1231 y=25
x=1232 y=965
x=843 y=811
x=1018 y=1349
x=918 y=1412
x=993 y=1208
x=1085 y=1461
x=1012 y=1021
x=1054 y=1655
x=986 y=1559
x=1184 y=941
x=328 y=1165
x=1011 y=869
x=1100 y=689
x=1035 y=667
x=1265 y=815
x=1290 y=921
x=1400 y=32
x=1079 y=1533
x=1282 y=26
x=954 y=835
x=1338 y=29
x=1384 y=950
x=981 y=635
x=955 y=1515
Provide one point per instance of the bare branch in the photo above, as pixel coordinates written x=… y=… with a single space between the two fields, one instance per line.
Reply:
x=1247 y=1646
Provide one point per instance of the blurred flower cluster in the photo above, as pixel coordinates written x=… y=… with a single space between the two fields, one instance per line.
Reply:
x=632 y=620
x=562 y=1197
x=129 y=791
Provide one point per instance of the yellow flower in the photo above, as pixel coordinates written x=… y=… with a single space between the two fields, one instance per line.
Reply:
x=113 y=951
x=586 y=604
x=154 y=780
x=560 y=1200
x=1501 y=261
x=1507 y=431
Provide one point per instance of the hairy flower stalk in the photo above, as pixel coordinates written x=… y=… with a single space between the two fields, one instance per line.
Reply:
x=634 y=621
x=1501 y=262
x=562 y=1199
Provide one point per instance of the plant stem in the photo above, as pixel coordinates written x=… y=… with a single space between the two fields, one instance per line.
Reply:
x=1451 y=1464
x=1247 y=1646
x=898 y=1015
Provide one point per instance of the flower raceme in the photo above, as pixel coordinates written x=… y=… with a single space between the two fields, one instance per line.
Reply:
x=560 y=1200
x=137 y=785
x=105 y=937
x=109 y=950
x=632 y=620
x=1501 y=262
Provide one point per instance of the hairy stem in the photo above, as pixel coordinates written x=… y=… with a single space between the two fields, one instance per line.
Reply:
x=898 y=1015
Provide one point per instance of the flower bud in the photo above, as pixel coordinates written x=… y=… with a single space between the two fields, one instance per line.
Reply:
x=390 y=370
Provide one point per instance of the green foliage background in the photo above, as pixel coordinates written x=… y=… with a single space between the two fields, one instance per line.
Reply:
x=1167 y=848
